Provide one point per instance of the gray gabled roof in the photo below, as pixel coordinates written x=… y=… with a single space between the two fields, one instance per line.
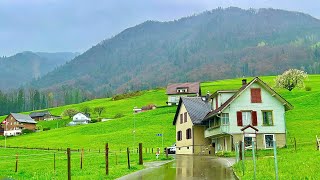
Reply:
x=23 y=118
x=196 y=107
x=39 y=114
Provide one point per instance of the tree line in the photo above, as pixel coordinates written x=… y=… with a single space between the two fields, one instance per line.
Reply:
x=33 y=99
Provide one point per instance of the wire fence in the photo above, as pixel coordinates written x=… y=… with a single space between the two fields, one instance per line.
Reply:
x=63 y=163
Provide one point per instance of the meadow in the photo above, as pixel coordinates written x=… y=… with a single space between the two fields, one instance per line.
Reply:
x=303 y=124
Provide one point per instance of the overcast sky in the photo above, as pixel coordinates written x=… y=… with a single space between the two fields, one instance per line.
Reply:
x=77 y=25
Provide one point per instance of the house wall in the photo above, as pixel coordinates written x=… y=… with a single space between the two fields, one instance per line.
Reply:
x=80 y=116
x=222 y=98
x=173 y=99
x=280 y=139
x=185 y=146
x=243 y=102
x=29 y=126
x=201 y=144
x=222 y=143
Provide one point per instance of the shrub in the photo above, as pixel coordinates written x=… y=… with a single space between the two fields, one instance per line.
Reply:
x=46 y=129
x=127 y=95
x=308 y=88
x=27 y=131
x=94 y=120
x=118 y=115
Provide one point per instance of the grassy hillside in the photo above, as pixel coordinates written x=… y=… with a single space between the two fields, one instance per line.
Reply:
x=303 y=123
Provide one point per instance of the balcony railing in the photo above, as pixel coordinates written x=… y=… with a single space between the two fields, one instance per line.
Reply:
x=213 y=131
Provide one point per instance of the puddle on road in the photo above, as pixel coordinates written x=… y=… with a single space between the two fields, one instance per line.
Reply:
x=188 y=167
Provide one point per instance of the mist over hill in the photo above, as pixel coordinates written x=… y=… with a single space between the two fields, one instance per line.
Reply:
x=217 y=44
x=21 y=68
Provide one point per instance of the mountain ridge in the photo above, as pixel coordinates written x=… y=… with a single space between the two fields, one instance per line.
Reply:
x=155 y=53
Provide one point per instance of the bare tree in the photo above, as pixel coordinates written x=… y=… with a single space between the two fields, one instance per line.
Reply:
x=99 y=110
x=70 y=112
x=291 y=78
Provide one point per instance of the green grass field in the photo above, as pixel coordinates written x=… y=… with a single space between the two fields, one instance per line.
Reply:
x=303 y=123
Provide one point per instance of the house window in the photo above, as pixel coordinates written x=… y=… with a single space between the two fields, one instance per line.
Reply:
x=246 y=117
x=188 y=133
x=225 y=118
x=185 y=117
x=247 y=141
x=181 y=119
x=179 y=135
x=268 y=139
x=182 y=90
x=255 y=95
x=267 y=118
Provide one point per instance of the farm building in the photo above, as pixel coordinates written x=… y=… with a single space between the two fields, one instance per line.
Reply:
x=177 y=90
x=255 y=112
x=14 y=123
x=43 y=115
x=80 y=118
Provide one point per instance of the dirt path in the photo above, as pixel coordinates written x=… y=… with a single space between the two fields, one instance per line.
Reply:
x=187 y=167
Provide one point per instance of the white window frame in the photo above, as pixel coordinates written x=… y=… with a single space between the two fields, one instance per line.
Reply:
x=264 y=140
x=245 y=120
x=223 y=118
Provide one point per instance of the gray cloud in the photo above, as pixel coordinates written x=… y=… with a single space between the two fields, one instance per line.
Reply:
x=59 y=25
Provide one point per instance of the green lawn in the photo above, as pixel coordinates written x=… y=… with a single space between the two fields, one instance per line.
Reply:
x=303 y=123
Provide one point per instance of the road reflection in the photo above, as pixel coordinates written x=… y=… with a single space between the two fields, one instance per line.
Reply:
x=188 y=167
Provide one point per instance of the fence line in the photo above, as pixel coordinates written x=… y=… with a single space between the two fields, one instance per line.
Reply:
x=74 y=159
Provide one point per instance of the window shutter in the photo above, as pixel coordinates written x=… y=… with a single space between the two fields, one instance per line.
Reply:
x=181 y=118
x=239 y=118
x=254 y=118
x=255 y=95
x=185 y=117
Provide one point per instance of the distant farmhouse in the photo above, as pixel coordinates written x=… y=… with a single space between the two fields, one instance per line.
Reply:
x=175 y=91
x=1 y=131
x=43 y=115
x=15 y=123
x=255 y=112
x=80 y=118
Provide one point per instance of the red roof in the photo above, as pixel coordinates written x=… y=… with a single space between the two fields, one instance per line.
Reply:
x=193 y=88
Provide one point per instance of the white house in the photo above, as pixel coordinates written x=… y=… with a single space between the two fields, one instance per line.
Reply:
x=255 y=112
x=80 y=118
x=177 y=90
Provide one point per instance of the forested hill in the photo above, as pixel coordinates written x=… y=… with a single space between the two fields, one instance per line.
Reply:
x=217 y=44
x=23 y=67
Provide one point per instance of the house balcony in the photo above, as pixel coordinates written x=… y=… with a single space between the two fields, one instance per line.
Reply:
x=218 y=130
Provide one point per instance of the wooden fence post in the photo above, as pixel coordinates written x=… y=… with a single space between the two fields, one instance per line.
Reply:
x=54 y=162
x=140 y=154
x=81 y=158
x=17 y=158
x=128 y=156
x=295 y=144
x=69 y=163
x=167 y=152
x=107 y=159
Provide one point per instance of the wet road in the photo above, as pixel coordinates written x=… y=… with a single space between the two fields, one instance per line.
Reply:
x=187 y=167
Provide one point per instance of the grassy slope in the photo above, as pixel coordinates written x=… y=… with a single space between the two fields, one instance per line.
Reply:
x=302 y=123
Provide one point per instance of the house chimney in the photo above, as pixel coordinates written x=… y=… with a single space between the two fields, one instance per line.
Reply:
x=244 y=82
x=207 y=96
